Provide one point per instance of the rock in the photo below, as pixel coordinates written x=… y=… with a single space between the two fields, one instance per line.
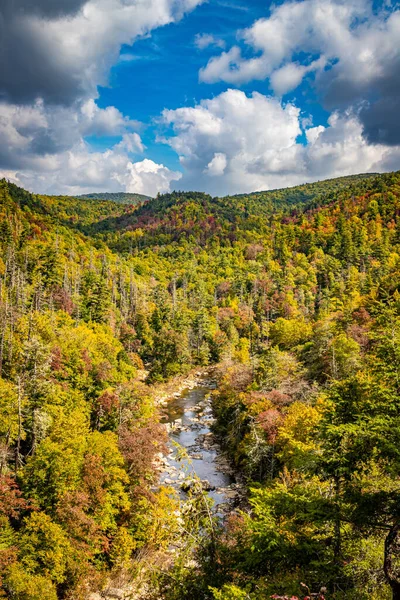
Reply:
x=207 y=486
x=196 y=456
x=195 y=426
x=231 y=494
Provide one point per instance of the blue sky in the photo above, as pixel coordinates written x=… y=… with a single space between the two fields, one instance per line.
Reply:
x=225 y=96
x=162 y=71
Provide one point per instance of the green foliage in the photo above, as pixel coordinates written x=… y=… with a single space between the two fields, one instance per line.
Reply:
x=120 y=197
x=25 y=586
x=44 y=547
x=231 y=592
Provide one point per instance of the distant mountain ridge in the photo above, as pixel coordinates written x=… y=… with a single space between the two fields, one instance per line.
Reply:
x=120 y=197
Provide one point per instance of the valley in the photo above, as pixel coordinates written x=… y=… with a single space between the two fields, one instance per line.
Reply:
x=199 y=396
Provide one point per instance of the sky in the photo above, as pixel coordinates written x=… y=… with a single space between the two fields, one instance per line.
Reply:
x=221 y=96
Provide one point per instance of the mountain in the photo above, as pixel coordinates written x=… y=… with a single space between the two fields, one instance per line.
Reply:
x=204 y=218
x=310 y=191
x=120 y=197
x=290 y=299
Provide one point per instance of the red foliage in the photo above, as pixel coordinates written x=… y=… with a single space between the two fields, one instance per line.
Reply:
x=86 y=360
x=362 y=316
x=11 y=500
x=225 y=314
x=139 y=447
x=239 y=378
x=63 y=301
x=107 y=402
x=103 y=371
x=246 y=317
x=94 y=480
x=359 y=334
x=223 y=289
x=128 y=337
x=73 y=512
x=253 y=250
x=279 y=398
x=56 y=358
x=269 y=421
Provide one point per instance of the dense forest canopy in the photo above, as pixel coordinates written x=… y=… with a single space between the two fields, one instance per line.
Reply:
x=120 y=197
x=293 y=295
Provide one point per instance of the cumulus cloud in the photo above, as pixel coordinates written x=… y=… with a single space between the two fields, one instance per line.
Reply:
x=147 y=177
x=62 y=54
x=43 y=149
x=237 y=143
x=79 y=171
x=27 y=133
x=227 y=136
x=107 y=121
x=132 y=143
x=217 y=165
x=289 y=76
x=358 y=54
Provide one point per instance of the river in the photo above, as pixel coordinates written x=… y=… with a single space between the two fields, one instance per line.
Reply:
x=188 y=418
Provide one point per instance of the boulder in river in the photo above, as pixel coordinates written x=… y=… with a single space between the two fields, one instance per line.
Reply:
x=207 y=486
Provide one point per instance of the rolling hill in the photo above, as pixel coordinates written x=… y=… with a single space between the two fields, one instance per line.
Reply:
x=119 y=197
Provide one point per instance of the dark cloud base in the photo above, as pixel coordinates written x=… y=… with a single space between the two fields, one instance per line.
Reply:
x=28 y=67
x=44 y=8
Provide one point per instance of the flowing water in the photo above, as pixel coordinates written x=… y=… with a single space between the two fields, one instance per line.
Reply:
x=189 y=418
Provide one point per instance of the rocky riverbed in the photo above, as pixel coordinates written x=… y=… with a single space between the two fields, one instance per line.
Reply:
x=188 y=419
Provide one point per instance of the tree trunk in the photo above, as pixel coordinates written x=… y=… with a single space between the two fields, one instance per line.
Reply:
x=18 y=461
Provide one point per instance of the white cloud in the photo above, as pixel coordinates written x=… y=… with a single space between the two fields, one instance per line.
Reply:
x=80 y=171
x=289 y=76
x=43 y=149
x=204 y=40
x=132 y=143
x=216 y=167
x=234 y=143
x=107 y=121
x=361 y=43
x=147 y=177
x=28 y=133
x=312 y=133
x=340 y=149
x=358 y=58
x=228 y=135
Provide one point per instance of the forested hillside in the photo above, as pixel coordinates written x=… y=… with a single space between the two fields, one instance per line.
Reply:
x=120 y=197
x=293 y=297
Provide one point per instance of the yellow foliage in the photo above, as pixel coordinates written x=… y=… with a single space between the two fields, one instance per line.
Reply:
x=298 y=433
